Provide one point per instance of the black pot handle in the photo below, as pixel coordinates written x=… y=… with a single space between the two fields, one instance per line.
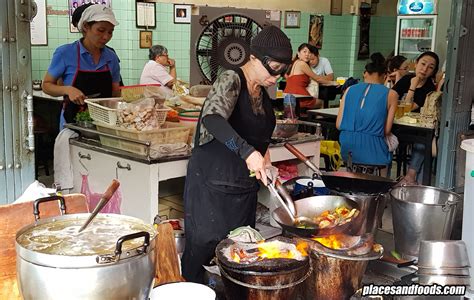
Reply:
x=62 y=205
x=121 y=240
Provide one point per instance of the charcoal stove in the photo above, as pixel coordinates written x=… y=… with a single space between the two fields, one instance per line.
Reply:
x=261 y=279
x=338 y=273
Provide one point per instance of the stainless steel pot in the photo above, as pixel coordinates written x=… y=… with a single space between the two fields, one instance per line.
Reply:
x=125 y=272
x=372 y=207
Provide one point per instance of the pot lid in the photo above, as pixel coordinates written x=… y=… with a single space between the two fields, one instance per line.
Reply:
x=60 y=236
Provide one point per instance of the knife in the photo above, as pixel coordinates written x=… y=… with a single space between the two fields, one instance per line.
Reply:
x=93 y=95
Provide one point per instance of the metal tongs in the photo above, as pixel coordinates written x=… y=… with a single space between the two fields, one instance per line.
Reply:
x=278 y=190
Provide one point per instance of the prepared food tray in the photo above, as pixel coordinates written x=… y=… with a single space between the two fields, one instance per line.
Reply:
x=169 y=133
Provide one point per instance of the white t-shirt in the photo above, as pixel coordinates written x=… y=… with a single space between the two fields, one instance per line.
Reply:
x=323 y=68
x=154 y=73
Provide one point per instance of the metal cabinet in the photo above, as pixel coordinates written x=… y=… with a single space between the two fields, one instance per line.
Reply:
x=139 y=181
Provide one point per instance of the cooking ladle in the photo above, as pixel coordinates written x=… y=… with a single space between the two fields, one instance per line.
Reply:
x=288 y=205
x=102 y=202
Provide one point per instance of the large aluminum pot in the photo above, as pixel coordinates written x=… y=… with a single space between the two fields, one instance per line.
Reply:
x=421 y=213
x=112 y=259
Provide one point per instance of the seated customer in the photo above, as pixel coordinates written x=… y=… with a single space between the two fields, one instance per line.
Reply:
x=414 y=88
x=365 y=117
x=299 y=76
x=156 y=69
x=321 y=67
x=397 y=67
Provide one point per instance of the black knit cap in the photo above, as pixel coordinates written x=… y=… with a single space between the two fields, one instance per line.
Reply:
x=272 y=42
x=77 y=14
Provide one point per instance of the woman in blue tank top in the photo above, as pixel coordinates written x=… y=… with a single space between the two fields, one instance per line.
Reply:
x=366 y=116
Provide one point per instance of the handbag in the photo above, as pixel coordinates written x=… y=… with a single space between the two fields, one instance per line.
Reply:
x=392 y=142
x=313 y=88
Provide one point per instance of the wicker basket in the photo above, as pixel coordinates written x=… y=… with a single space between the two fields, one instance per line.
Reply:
x=170 y=133
x=104 y=110
x=132 y=93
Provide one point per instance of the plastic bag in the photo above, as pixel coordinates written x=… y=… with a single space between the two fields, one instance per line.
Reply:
x=92 y=198
x=35 y=191
x=392 y=142
x=333 y=150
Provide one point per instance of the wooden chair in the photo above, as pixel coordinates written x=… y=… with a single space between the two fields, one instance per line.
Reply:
x=13 y=217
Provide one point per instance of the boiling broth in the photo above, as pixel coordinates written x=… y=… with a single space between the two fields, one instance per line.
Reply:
x=62 y=237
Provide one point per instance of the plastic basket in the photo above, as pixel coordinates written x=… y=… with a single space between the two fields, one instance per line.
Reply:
x=104 y=110
x=170 y=133
x=161 y=114
x=131 y=93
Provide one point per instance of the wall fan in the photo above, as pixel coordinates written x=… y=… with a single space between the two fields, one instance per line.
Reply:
x=224 y=44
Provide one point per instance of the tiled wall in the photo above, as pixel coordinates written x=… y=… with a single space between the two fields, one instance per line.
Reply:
x=340 y=41
x=125 y=40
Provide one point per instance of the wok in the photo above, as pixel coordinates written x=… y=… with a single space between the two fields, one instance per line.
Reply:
x=343 y=181
x=347 y=182
x=312 y=207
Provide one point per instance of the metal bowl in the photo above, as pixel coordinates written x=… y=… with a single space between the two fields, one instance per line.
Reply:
x=444 y=271
x=285 y=130
x=443 y=280
x=443 y=254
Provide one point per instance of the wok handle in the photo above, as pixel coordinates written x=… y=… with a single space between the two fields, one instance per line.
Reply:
x=286 y=196
x=301 y=157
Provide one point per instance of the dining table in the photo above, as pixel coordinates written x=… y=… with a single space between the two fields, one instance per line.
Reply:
x=406 y=133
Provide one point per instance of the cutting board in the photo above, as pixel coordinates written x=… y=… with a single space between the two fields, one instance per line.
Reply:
x=167 y=263
x=13 y=217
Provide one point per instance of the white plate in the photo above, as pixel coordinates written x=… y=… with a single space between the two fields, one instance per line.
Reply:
x=182 y=291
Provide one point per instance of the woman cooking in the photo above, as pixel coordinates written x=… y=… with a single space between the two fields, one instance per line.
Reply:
x=86 y=67
x=231 y=141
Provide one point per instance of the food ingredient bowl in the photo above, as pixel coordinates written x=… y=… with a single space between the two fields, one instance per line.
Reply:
x=285 y=128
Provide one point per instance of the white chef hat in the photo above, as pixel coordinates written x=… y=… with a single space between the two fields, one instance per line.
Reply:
x=97 y=13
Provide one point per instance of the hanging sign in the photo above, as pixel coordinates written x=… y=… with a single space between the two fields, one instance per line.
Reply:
x=416 y=7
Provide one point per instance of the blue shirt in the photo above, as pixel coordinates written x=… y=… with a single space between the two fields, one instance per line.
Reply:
x=64 y=62
x=363 y=125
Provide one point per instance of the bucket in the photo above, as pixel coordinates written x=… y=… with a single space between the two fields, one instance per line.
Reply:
x=421 y=213
x=190 y=118
x=468 y=220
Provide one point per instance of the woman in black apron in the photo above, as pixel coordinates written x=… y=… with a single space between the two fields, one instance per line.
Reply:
x=86 y=67
x=231 y=139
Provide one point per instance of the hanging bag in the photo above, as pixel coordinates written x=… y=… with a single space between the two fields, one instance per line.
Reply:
x=93 y=199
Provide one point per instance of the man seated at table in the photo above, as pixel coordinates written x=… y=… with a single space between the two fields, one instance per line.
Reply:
x=321 y=66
